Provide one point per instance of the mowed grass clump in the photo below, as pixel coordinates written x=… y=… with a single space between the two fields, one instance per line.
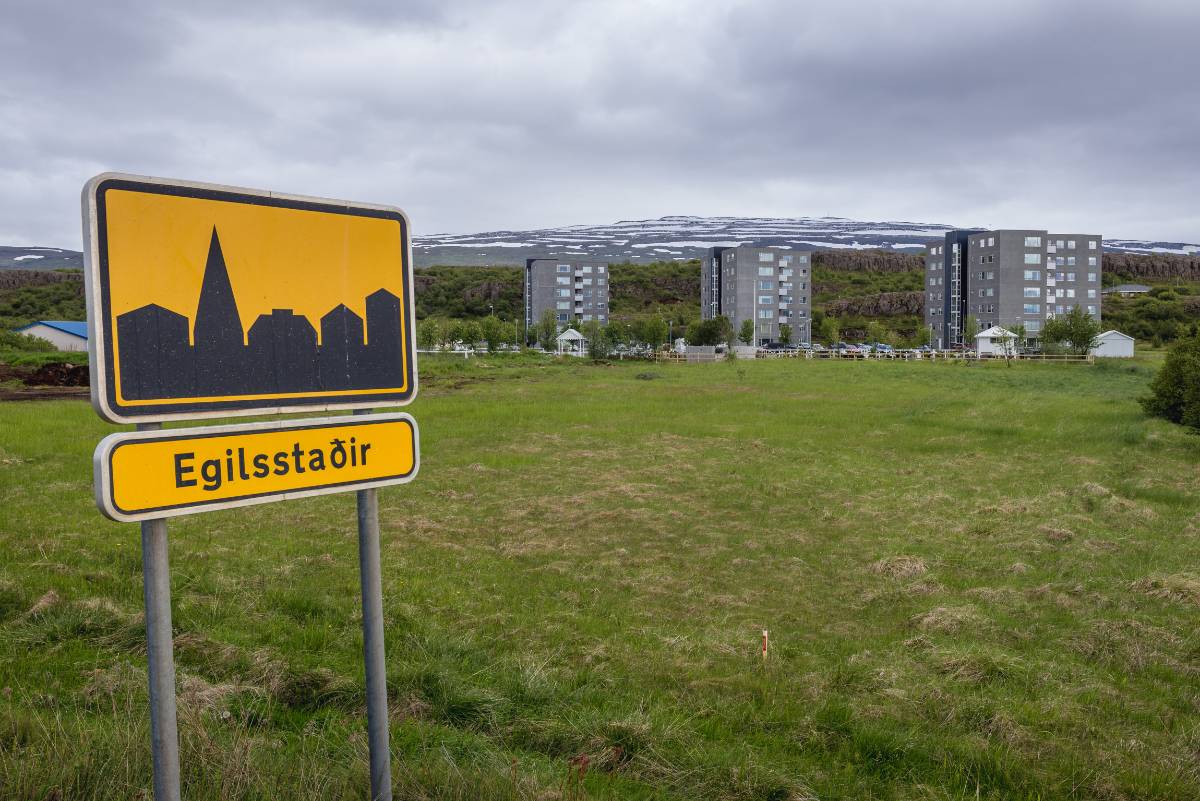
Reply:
x=979 y=583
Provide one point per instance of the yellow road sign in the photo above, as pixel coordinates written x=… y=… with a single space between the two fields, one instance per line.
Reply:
x=212 y=301
x=152 y=474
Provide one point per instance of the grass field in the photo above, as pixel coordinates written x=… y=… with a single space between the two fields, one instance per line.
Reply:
x=979 y=583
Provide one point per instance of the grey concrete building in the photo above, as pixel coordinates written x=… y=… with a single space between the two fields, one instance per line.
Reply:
x=770 y=286
x=576 y=290
x=1007 y=278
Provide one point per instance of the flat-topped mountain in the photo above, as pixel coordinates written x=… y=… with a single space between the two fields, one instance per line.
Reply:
x=663 y=239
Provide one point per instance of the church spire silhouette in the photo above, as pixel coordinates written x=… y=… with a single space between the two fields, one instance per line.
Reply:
x=217 y=319
x=218 y=335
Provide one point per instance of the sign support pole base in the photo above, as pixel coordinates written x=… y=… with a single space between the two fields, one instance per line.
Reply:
x=373 y=652
x=160 y=657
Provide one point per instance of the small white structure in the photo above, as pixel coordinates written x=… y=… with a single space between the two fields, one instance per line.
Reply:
x=571 y=343
x=1114 y=344
x=994 y=341
x=63 y=334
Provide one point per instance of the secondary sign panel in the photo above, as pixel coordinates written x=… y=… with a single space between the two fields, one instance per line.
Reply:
x=213 y=301
x=150 y=474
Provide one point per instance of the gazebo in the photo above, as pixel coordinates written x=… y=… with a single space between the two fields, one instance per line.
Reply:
x=571 y=343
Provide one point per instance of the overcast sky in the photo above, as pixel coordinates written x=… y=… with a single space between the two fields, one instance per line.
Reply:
x=477 y=116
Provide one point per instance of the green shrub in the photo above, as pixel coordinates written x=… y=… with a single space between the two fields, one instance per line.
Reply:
x=1175 y=391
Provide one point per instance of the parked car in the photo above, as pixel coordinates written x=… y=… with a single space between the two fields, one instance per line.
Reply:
x=817 y=347
x=846 y=349
x=883 y=347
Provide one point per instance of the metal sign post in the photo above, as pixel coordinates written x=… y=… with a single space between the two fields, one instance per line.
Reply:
x=160 y=656
x=373 y=651
x=267 y=337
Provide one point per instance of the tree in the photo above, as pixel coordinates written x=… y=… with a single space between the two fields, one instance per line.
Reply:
x=654 y=331
x=876 y=332
x=1077 y=329
x=921 y=336
x=785 y=333
x=831 y=330
x=1175 y=390
x=471 y=332
x=547 y=330
x=429 y=334
x=970 y=330
x=1010 y=346
x=599 y=339
x=494 y=332
x=709 y=332
x=746 y=332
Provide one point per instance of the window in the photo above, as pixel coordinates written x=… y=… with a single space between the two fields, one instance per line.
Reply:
x=766 y=271
x=1033 y=308
x=600 y=268
x=981 y=294
x=1091 y=261
x=1058 y=293
x=1092 y=277
x=1071 y=262
x=564 y=268
x=983 y=259
x=601 y=282
x=766 y=257
x=991 y=241
x=991 y=258
x=1091 y=244
x=564 y=293
x=562 y=304
x=990 y=274
x=1070 y=244
x=1033 y=241
x=587 y=268
x=587 y=317
x=766 y=284
x=1091 y=293
x=1070 y=276
x=1060 y=244
x=1060 y=261
x=1033 y=292
x=765 y=314
x=982 y=276
x=766 y=299
x=562 y=279
x=802 y=259
x=1033 y=326
x=1033 y=258
x=1033 y=275
x=803 y=286
x=1091 y=309
x=784 y=261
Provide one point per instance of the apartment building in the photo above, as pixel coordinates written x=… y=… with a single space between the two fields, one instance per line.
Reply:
x=576 y=290
x=1007 y=278
x=770 y=286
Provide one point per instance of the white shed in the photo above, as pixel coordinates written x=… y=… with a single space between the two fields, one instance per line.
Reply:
x=66 y=335
x=1114 y=344
x=993 y=340
x=571 y=343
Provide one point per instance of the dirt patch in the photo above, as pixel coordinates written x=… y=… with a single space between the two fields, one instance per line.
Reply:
x=59 y=375
x=1057 y=534
x=47 y=601
x=1179 y=587
x=947 y=619
x=900 y=566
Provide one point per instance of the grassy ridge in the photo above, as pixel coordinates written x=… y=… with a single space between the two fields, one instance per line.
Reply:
x=979 y=582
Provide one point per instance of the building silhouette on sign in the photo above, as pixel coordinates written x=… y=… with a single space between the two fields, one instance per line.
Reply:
x=280 y=353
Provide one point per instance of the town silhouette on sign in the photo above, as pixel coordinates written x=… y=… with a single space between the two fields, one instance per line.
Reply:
x=280 y=353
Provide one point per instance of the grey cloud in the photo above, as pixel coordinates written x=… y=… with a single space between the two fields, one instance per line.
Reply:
x=477 y=116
